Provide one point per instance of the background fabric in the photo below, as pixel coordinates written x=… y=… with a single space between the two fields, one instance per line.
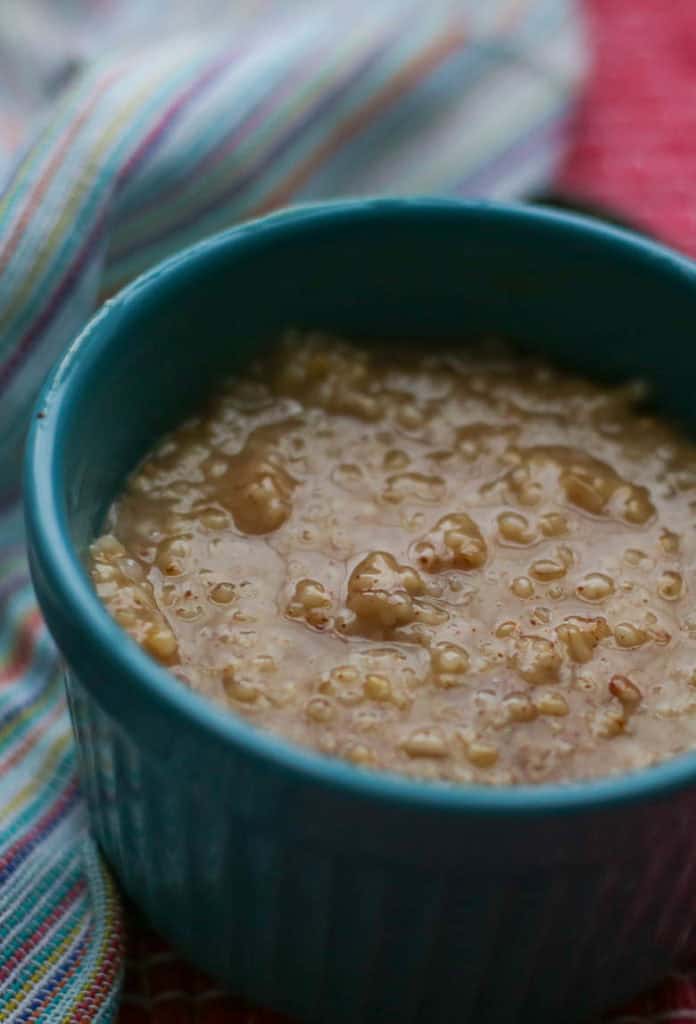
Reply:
x=633 y=143
x=128 y=129
x=193 y=118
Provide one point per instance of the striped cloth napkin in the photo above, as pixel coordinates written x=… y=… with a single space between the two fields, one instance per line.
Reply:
x=127 y=130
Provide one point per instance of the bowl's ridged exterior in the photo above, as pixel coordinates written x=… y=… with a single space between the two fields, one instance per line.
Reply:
x=311 y=929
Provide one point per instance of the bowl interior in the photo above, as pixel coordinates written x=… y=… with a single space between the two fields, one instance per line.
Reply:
x=584 y=298
x=581 y=293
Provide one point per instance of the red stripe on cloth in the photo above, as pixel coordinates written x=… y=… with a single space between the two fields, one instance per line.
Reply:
x=36 y=194
x=105 y=979
x=426 y=62
x=171 y=191
x=256 y=170
x=13 y=962
x=45 y=822
x=192 y=92
x=101 y=988
x=24 y=647
x=31 y=737
x=25 y=346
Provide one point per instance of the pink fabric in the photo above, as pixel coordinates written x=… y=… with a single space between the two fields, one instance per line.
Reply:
x=634 y=148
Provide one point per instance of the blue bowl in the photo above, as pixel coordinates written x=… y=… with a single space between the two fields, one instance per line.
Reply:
x=303 y=883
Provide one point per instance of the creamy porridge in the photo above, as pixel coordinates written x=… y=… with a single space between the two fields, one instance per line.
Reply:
x=455 y=565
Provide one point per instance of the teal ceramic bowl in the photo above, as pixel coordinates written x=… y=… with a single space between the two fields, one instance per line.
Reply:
x=303 y=883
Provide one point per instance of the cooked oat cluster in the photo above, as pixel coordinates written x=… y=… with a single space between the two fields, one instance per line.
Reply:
x=455 y=565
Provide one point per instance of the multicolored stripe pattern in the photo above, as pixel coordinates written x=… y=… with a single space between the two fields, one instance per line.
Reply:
x=60 y=918
x=128 y=130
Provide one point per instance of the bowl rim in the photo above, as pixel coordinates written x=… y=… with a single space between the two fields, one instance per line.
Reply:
x=60 y=564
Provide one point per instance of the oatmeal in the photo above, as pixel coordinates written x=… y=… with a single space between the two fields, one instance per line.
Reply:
x=455 y=565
